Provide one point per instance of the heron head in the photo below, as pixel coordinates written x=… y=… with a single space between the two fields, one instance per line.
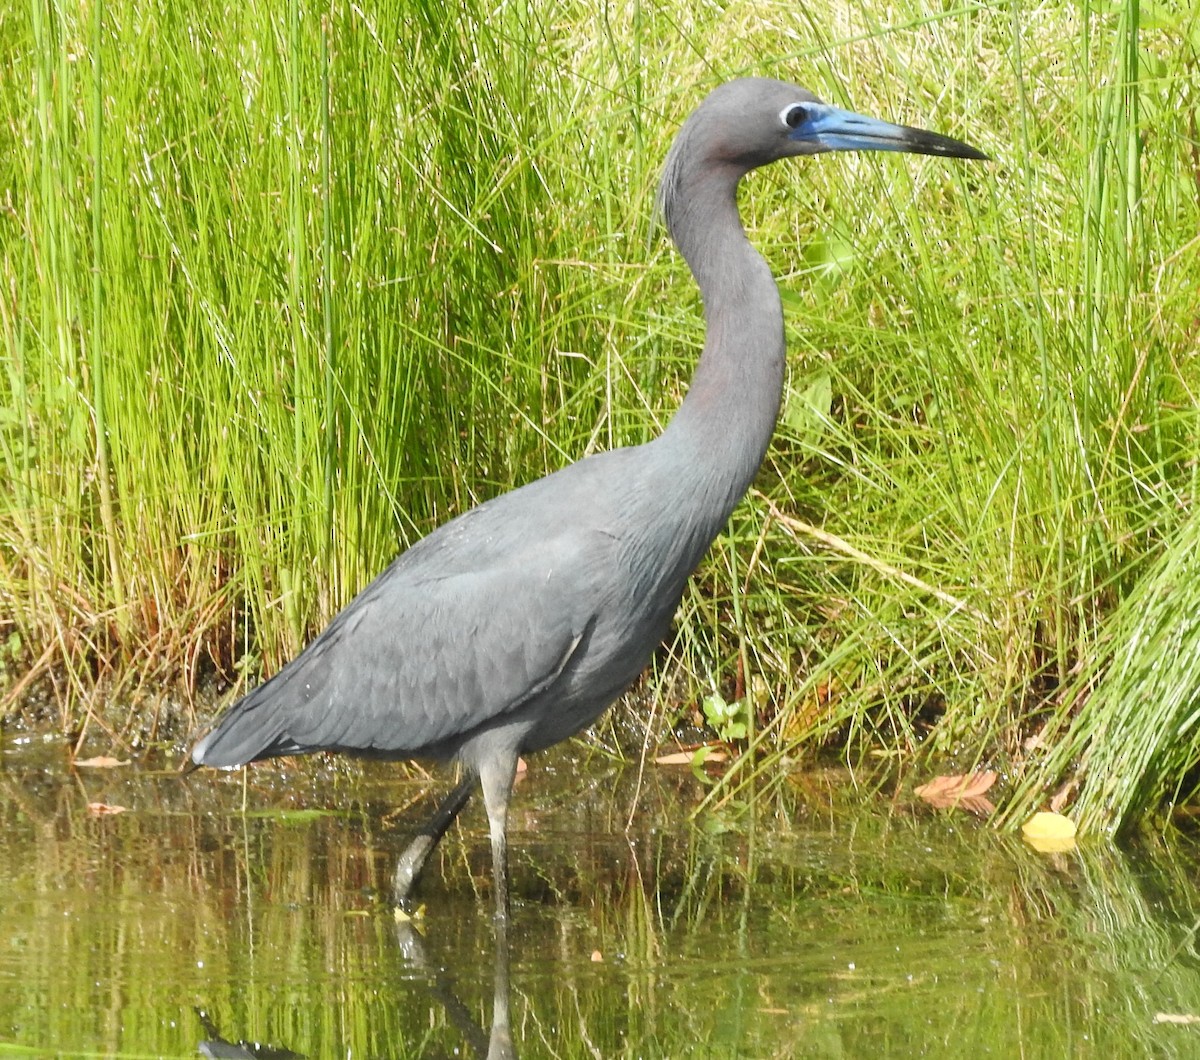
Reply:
x=753 y=121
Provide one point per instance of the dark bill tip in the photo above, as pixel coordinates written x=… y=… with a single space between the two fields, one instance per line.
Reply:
x=923 y=142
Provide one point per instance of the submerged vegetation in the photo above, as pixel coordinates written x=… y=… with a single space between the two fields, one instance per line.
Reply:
x=283 y=290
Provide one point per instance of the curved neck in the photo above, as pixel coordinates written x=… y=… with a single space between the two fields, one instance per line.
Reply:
x=725 y=423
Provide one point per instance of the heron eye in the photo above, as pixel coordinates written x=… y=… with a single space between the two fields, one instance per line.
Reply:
x=794 y=115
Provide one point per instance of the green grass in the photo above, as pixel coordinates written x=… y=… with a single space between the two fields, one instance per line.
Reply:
x=283 y=290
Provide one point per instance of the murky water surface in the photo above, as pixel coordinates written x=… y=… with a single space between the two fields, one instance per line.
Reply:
x=821 y=921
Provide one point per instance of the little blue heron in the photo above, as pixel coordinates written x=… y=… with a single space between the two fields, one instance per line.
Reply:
x=518 y=623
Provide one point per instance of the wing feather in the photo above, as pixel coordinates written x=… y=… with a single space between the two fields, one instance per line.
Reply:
x=416 y=662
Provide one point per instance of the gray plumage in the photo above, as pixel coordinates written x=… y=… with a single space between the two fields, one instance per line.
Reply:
x=518 y=623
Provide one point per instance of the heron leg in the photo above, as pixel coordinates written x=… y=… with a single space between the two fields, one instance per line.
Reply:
x=412 y=861
x=496 y=779
x=500 y=1043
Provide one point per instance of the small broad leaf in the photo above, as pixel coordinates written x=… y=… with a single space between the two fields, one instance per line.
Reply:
x=962 y=791
x=730 y=721
x=711 y=753
x=1049 y=832
x=830 y=255
x=675 y=758
x=806 y=412
x=100 y=762
x=402 y=916
x=716 y=709
x=1049 y=826
x=701 y=755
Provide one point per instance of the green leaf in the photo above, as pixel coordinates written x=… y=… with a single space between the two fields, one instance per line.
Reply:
x=806 y=412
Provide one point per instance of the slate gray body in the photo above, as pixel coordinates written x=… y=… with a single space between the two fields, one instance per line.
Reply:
x=511 y=625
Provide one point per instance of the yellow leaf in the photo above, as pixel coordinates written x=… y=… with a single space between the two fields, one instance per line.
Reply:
x=1049 y=832
x=403 y=917
x=1049 y=826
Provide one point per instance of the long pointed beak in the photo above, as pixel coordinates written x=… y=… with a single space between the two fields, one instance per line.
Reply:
x=843 y=130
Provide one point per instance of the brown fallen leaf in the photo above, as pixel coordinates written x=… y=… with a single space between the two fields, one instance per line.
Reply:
x=100 y=762
x=104 y=809
x=958 y=785
x=1063 y=795
x=686 y=758
x=675 y=758
x=962 y=790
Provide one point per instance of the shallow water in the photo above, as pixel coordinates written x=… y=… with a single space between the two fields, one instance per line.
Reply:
x=819 y=921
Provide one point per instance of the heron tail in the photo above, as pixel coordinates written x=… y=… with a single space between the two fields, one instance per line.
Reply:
x=249 y=731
